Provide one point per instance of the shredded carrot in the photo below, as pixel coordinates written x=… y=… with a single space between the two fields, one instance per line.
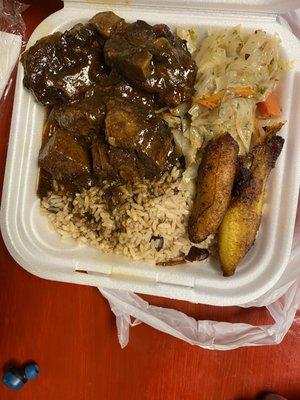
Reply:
x=214 y=100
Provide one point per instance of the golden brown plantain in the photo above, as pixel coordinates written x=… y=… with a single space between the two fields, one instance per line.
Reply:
x=213 y=190
x=238 y=229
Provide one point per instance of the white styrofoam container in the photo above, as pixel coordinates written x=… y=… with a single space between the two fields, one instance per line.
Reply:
x=41 y=251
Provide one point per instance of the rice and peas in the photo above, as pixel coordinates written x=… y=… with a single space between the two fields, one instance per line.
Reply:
x=149 y=220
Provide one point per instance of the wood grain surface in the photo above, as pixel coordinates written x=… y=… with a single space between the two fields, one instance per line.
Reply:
x=70 y=332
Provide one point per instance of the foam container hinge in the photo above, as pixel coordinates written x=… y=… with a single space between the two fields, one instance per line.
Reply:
x=41 y=251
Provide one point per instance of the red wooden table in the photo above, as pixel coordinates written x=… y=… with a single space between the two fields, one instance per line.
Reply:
x=70 y=331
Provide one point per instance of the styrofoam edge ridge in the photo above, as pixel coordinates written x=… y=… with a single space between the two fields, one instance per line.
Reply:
x=260 y=6
x=115 y=282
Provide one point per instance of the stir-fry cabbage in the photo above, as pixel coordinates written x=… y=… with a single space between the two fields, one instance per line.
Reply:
x=239 y=68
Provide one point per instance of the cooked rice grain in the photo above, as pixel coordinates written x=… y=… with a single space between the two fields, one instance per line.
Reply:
x=148 y=223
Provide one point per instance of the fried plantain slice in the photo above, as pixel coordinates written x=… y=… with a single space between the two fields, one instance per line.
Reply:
x=213 y=190
x=238 y=229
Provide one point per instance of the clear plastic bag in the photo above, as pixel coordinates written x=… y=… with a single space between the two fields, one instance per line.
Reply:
x=282 y=303
x=12 y=38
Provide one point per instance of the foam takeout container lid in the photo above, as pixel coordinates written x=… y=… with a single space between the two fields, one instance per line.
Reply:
x=269 y=6
x=40 y=250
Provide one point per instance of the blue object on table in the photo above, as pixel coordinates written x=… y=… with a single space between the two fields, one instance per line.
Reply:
x=31 y=371
x=16 y=378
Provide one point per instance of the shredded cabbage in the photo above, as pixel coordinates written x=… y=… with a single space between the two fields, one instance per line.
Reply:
x=236 y=58
x=227 y=59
